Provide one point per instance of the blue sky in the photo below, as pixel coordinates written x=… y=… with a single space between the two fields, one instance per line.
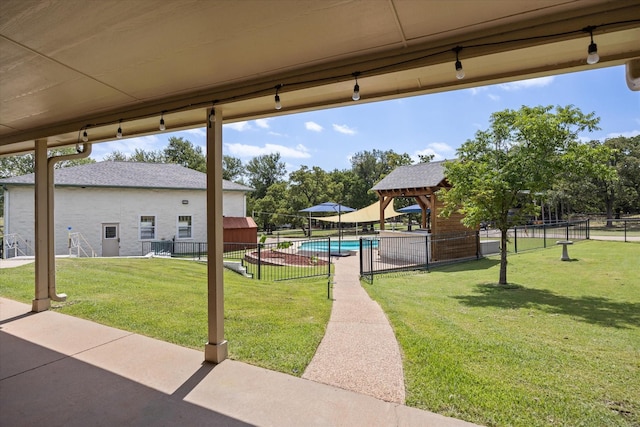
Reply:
x=430 y=124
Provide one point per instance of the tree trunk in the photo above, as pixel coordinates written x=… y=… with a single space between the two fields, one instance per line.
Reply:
x=608 y=201
x=503 y=256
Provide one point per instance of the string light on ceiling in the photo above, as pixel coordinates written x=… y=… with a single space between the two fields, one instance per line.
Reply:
x=592 y=58
x=356 y=88
x=162 y=126
x=277 y=98
x=459 y=70
x=592 y=50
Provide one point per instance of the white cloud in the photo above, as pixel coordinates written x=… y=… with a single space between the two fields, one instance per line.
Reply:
x=629 y=134
x=440 y=151
x=441 y=146
x=239 y=126
x=476 y=90
x=313 y=126
x=493 y=97
x=526 y=84
x=197 y=132
x=344 y=129
x=245 y=150
x=428 y=152
x=126 y=146
x=263 y=123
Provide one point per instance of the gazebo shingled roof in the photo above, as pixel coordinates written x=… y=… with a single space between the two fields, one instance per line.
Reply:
x=420 y=181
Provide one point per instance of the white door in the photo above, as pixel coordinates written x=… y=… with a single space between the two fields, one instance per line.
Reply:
x=110 y=239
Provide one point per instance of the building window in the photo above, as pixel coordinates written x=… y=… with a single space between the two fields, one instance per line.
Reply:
x=147 y=227
x=110 y=232
x=184 y=227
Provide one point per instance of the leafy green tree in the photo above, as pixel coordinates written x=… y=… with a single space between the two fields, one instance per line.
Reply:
x=232 y=168
x=25 y=164
x=498 y=174
x=116 y=156
x=309 y=187
x=626 y=160
x=370 y=167
x=151 y=156
x=272 y=209
x=264 y=171
x=184 y=153
x=425 y=158
x=345 y=187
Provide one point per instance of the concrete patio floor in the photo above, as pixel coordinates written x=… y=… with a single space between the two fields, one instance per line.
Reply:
x=60 y=370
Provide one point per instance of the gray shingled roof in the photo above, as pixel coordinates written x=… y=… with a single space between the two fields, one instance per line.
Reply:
x=129 y=175
x=413 y=176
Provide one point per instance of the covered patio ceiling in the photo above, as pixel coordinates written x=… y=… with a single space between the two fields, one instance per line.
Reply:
x=73 y=65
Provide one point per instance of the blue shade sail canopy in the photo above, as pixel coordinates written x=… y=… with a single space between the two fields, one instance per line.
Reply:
x=412 y=209
x=328 y=207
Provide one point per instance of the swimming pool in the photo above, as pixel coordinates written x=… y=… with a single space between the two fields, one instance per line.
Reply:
x=321 y=245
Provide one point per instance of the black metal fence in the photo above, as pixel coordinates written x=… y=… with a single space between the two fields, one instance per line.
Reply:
x=627 y=229
x=538 y=236
x=280 y=260
x=262 y=261
x=387 y=254
x=174 y=249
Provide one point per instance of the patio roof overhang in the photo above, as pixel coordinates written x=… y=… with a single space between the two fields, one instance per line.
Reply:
x=76 y=65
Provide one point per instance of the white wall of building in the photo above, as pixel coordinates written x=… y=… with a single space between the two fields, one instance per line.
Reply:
x=84 y=210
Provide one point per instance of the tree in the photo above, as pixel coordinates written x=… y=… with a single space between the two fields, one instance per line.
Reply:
x=370 y=167
x=184 y=153
x=116 y=156
x=499 y=173
x=232 y=168
x=269 y=209
x=626 y=160
x=139 y=155
x=263 y=171
x=26 y=164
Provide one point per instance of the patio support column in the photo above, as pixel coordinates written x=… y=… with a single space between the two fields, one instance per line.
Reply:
x=216 y=348
x=43 y=212
x=384 y=202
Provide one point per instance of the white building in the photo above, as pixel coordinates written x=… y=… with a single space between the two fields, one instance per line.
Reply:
x=116 y=206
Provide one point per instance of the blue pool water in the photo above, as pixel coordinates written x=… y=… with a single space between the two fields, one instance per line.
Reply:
x=321 y=245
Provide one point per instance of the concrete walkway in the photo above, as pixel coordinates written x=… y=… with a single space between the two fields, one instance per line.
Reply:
x=58 y=370
x=359 y=351
x=15 y=262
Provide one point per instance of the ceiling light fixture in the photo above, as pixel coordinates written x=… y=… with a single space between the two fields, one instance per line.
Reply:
x=119 y=132
x=277 y=98
x=162 y=126
x=593 y=57
x=459 y=70
x=356 y=88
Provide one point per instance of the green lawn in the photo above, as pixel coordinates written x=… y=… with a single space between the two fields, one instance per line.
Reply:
x=276 y=325
x=559 y=346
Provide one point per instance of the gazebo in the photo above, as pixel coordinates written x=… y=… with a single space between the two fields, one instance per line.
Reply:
x=422 y=181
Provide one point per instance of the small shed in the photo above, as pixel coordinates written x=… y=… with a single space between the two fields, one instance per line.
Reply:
x=239 y=230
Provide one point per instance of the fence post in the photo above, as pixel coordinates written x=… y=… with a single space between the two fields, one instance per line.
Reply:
x=544 y=234
x=371 y=258
x=360 y=256
x=625 y=229
x=515 y=239
x=588 y=228
x=426 y=250
x=567 y=231
x=477 y=244
x=259 y=260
